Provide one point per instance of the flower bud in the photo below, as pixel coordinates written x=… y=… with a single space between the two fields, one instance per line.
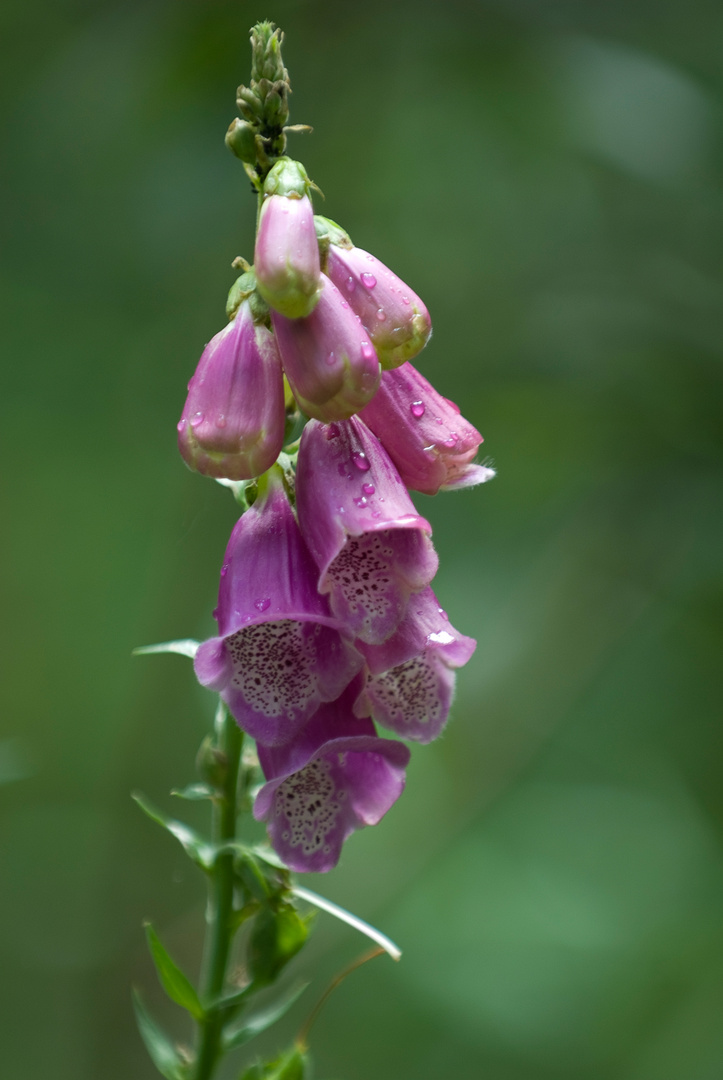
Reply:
x=328 y=358
x=286 y=259
x=232 y=426
x=428 y=440
x=241 y=140
x=397 y=321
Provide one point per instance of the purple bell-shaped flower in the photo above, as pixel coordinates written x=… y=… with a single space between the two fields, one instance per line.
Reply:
x=280 y=653
x=335 y=777
x=232 y=425
x=410 y=677
x=328 y=358
x=286 y=257
x=370 y=545
x=397 y=320
x=428 y=440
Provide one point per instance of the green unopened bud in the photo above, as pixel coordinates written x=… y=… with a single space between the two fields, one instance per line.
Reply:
x=278 y=934
x=266 y=61
x=241 y=140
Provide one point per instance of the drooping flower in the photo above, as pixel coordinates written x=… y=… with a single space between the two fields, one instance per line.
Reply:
x=232 y=425
x=279 y=653
x=428 y=440
x=410 y=678
x=370 y=545
x=397 y=320
x=328 y=358
x=286 y=258
x=335 y=777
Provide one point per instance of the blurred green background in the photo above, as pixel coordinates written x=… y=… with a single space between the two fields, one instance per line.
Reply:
x=547 y=174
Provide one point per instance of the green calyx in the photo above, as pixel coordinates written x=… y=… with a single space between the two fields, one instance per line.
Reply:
x=288 y=178
x=244 y=288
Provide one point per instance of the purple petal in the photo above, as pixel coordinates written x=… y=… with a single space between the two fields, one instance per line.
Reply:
x=371 y=546
x=397 y=320
x=328 y=358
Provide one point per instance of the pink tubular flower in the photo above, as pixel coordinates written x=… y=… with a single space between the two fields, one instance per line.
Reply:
x=397 y=320
x=428 y=440
x=279 y=653
x=328 y=358
x=232 y=425
x=286 y=258
x=334 y=778
x=372 y=548
x=410 y=681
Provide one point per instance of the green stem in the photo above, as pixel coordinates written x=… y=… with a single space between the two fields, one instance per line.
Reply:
x=219 y=931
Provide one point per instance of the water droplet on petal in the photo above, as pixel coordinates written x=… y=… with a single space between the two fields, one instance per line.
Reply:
x=360 y=460
x=405 y=300
x=262 y=605
x=332 y=432
x=368 y=489
x=344 y=304
x=224 y=569
x=452 y=441
x=368 y=281
x=381 y=315
x=367 y=351
x=181 y=424
x=331 y=359
x=417 y=409
x=361 y=502
x=376 y=513
x=440 y=638
x=349 y=284
x=196 y=419
x=214 y=613
x=443 y=613
x=220 y=421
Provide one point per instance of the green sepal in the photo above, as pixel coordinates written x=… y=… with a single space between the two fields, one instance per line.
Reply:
x=173 y=981
x=279 y=931
x=194 y=792
x=241 y=289
x=288 y=178
x=328 y=231
x=253 y=876
x=161 y=1050
x=291 y=1065
x=254 y=1025
x=198 y=849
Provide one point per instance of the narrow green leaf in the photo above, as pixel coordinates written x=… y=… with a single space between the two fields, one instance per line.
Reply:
x=260 y=1021
x=194 y=792
x=187 y=647
x=201 y=852
x=174 y=982
x=162 y=1052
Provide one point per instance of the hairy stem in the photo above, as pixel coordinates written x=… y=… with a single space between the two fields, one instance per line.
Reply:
x=219 y=930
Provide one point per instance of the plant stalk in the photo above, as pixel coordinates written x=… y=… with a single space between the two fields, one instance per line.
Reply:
x=219 y=909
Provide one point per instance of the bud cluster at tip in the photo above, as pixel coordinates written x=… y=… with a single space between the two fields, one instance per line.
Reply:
x=327 y=621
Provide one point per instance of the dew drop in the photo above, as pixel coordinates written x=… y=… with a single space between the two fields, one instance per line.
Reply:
x=368 y=281
x=196 y=419
x=368 y=489
x=224 y=569
x=443 y=613
x=191 y=381
x=361 y=502
x=452 y=441
x=367 y=351
x=262 y=605
x=381 y=315
x=417 y=408
x=405 y=300
x=332 y=432
x=220 y=421
x=214 y=614
x=349 y=284
x=360 y=460
x=181 y=424
x=331 y=359
x=439 y=419
x=344 y=304
x=376 y=513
